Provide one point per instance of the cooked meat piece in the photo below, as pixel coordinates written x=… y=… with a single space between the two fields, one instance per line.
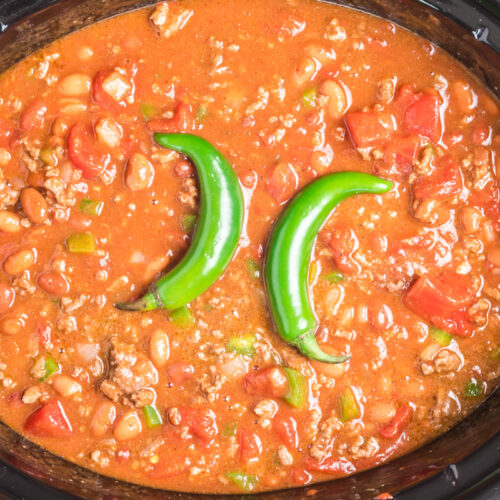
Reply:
x=131 y=375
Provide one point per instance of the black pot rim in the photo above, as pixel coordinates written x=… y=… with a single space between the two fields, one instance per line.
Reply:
x=466 y=479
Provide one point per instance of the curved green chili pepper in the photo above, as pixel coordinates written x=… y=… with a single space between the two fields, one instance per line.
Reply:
x=289 y=251
x=216 y=234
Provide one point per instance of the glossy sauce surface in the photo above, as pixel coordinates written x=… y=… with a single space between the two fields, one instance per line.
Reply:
x=92 y=211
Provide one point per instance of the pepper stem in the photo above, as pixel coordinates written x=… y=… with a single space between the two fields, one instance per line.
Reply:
x=307 y=345
x=147 y=302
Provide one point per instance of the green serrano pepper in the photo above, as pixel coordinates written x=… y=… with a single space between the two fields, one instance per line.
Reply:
x=289 y=250
x=217 y=229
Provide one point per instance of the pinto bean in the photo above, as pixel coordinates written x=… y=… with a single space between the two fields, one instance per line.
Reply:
x=471 y=219
x=19 y=261
x=465 y=97
x=72 y=106
x=108 y=132
x=489 y=104
x=305 y=71
x=494 y=257
x=75 y=84
x=34 y=205
x=66 y=386
x=320 y=53
x=337 y=99
x=5 y=157
x=128 y=426
x=382 y=411
x=489 y=232
x=10 y=222
x=12 y=325
x=320 y=162
x=103 y=419
x=159 y=349
x=140 y=173
x=328 y=369
x=60 y=126
x=7 y=297
x=54 y=283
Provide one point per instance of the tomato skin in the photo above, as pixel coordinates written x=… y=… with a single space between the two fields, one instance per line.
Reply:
x=481 y=133
x=182 y=121
x=422 y=117
x=6 y=130
x=330 y=465
x=446 y=292
x=201 y=423
x=445 y=181
x=82 y=152
x=400 y=152
x=489 y=199
x=282 y=182
x=394 y=428
x=33 y=116
x=43 y=333
x=49 y=421
x=171 y=466
x=285 y=426
x=270 y=382
x=250 y=445
x=343 y=243
x=179 y=372
x=442 y=299
x=369 y=128
x=300 y=476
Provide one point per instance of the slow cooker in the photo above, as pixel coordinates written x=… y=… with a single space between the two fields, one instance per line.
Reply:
x=462 y=463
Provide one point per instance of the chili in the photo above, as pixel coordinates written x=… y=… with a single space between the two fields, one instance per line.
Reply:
x=289 y=249
x=217 y=229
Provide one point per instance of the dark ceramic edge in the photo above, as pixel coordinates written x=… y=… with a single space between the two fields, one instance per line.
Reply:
x=476 y=475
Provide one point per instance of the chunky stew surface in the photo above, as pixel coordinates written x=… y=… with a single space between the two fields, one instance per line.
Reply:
x=209 y=397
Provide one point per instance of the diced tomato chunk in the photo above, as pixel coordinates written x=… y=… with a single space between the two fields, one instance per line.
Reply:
x=250 y=445
x=395 y=427
x=300 y=476
x=6 y=130
x=489 y=199
x=33 y=116
x=282 y=182
x=400 y=152
x=170 y=466
x=179 y=372
x=444 y=182
x=49 y=421
x=43 y=333
x=182 y=121
x=369 y=128
x=446 y=292
x=343 y=243
x=422 y=117
x=442 y=299
x=330 y=465
x=270 y=382
x=481 y=133
x=201 y=423
x=83 y=153
x=286 y=428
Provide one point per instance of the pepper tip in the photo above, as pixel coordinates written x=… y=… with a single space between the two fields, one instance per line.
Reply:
x=308 y=346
